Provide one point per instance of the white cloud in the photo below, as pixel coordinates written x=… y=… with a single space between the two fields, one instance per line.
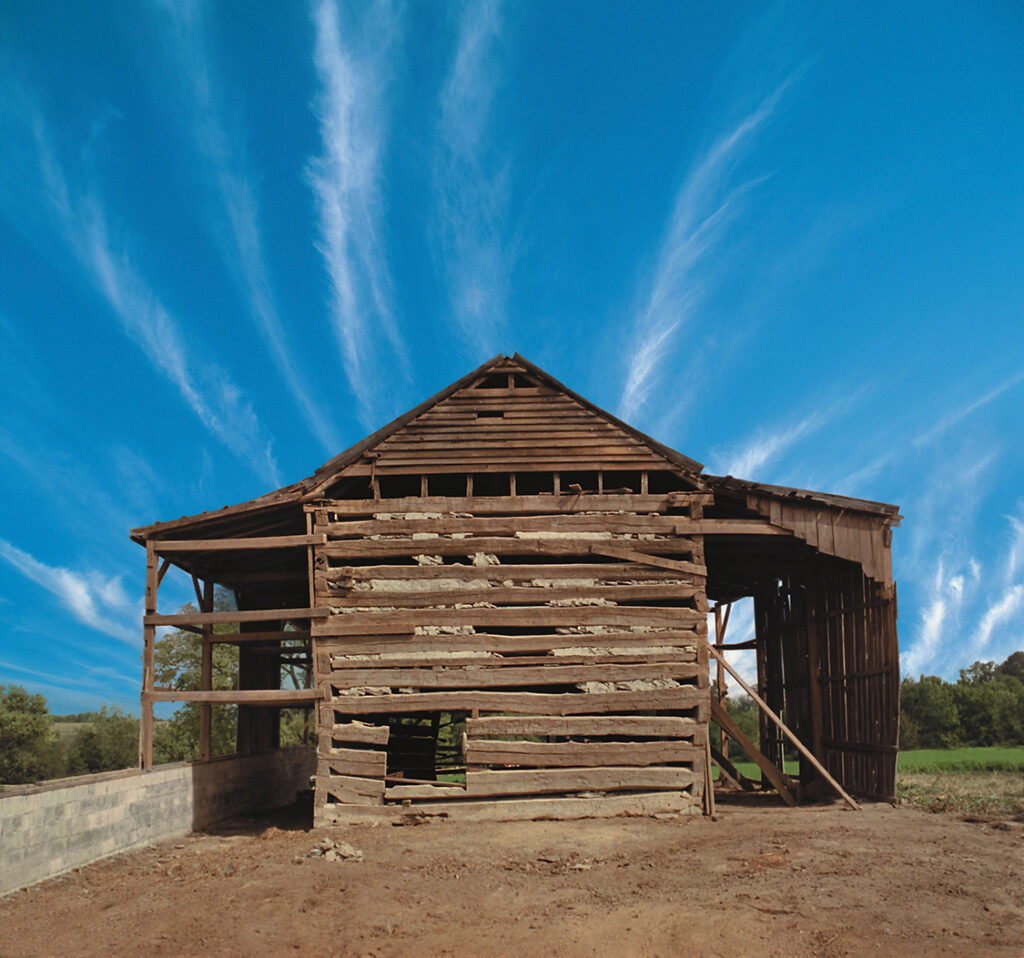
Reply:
x=958 y=415
x=242 y=247
x=208 y=390
x=1001 y=611
x=470 y=184
x=346 y=182
x=90 y=597
x=705 y=206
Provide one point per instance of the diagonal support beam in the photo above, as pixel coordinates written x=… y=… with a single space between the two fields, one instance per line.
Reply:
x=806 y=752
x=725 y=722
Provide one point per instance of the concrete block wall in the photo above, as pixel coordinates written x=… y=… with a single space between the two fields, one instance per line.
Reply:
x=48 y=829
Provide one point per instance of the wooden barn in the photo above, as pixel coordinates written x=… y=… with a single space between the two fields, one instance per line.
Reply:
x=503 y=601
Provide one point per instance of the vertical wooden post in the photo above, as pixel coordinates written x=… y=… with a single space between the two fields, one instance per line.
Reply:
x=721 y=625
x=148 y=662
x=206 y=679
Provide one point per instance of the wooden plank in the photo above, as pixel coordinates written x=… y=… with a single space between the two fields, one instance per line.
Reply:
x=537 y=781
x=439 y=791
x=726 y=723
x=631 y=805
x=622 y=725
x=536 y=703
x=356 y=732
x=351 y=789
x=547 y=754
x=479 y=677
x=363 y=768
x=506 y=525
x=444 y=659
x=509 y=545
x=485 y=642
x=630 y=463
x=514 y=505
x=218 y=545
x=643 y=558
x=251 y=615
x=513 y=595
x=383 y=622
x=599 y=571
x=284 y=698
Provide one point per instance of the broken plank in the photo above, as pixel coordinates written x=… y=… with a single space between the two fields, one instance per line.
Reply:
x=726 y=723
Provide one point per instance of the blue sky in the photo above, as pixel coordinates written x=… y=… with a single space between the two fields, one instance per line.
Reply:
x=237 y=237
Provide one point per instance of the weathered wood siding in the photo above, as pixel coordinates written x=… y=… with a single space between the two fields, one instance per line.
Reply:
x=515 y=617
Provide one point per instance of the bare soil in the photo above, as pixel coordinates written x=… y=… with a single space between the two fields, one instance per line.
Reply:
x=760 y=879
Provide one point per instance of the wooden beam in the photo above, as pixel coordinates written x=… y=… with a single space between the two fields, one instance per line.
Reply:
x=640 y=725
x=148 y=662
x=206 y=674
x=236 y=638
x=282 y=697
x=253 y=615
x=785 y=730
x=219 y=545
x=776 y=777
x=632 y=555
x=507 y=505
x=610 y=778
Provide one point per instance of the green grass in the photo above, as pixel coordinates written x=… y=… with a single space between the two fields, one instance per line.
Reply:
x=936 y=761
x=752 y=771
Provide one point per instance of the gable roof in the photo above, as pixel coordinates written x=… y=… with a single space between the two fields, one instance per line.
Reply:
x=457 y=427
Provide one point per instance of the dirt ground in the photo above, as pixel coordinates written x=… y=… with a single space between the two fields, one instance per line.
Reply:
x=762 y=880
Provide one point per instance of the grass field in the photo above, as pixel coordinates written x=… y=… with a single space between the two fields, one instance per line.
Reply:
x=936 y=761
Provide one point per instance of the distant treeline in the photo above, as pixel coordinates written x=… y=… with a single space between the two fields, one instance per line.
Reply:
x=985 y=706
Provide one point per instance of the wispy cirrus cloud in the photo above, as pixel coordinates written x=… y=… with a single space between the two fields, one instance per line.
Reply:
x=93 y=599
x=708 y=202
x=208 y=390
x=353 y=69
x=958 y=415
x=241 y=243
x=470 y=184
x=750 y=459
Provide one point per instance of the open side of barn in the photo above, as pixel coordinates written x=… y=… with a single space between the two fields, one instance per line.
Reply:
x=503 y=597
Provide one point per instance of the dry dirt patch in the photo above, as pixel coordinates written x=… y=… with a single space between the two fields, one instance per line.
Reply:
x=758 y=880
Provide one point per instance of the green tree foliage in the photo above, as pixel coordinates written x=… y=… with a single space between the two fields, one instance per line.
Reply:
x=28 y=744
x=984 y=707
x=178 y=665
x=110 y=741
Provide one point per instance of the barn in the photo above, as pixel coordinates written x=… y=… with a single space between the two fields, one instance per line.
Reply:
x=502 y=601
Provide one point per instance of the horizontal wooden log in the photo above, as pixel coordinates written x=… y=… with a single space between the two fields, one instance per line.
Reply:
x=384 y=622
x=510 y=546
x=645 y=559
x=485 y=642
x=355 y=732
x=622 y=725
x=479 y=677
x=515 y=595
x=350 y=789
x=163 y=546
x=630 y=805
x=505 y=525
x=539 y=781
x=251 y=615
x=514 y=505
x=536 y=703
x=515 y=572
x=440 y=791
x=563 y=754
x=369 y=767
x=446 y=660
x=285 y=698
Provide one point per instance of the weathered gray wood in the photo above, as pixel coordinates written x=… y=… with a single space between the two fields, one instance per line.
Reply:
x=485 y=642
x=540 y=780
x=385 y=622
x=548 y=754
x=439 y=791
x=351 y=790
x=637 y=804
x=639 y=725
x=373 y=765
x=536 y=703
x=357 y=732
x=478 y=677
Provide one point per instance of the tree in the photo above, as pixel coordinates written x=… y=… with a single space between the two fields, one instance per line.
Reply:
x=178 y=665
x=110 y=741
x=28 y=744
x=931 y=705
